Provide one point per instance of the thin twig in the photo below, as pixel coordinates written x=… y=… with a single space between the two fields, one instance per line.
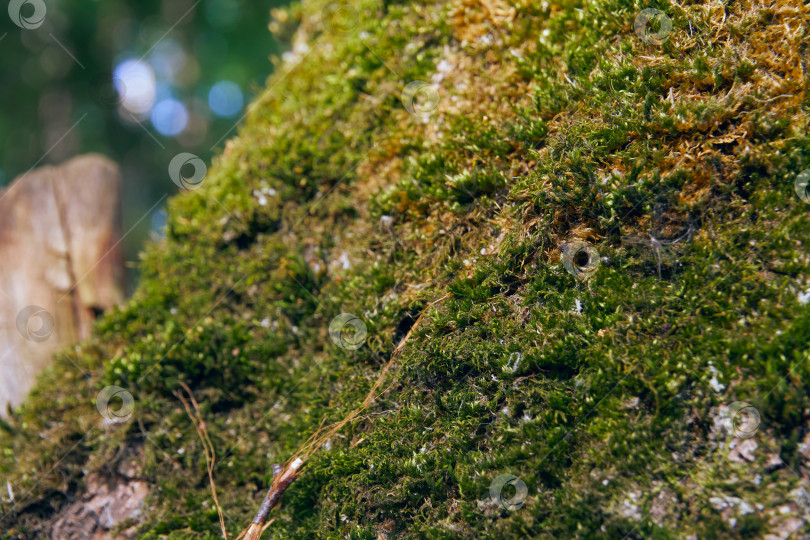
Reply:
x=281 y=481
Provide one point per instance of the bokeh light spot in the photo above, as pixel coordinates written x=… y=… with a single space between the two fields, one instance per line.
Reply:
x=225 y=99
x=168 y=59
x=169 y=117
x=135 y=83
x=159 y=222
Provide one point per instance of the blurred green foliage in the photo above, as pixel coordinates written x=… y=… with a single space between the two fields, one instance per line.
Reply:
x=56 y=86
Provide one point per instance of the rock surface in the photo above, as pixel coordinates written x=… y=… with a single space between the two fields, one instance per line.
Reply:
x=60 y=229
x=104 y=506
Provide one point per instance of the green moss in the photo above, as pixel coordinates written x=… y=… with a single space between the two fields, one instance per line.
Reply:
x=580 y=130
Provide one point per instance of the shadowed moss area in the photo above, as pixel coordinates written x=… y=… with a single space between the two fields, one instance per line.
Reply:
x=607 y=396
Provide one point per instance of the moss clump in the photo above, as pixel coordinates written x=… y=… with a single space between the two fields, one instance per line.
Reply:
x=607 y=397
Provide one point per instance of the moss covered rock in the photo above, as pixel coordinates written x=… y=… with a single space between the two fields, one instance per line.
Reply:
x=608 y=207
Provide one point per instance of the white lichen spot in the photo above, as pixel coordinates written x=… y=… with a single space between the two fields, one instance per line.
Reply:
x=714 y=383
x=745 y=508
x=262 y=200
x=630 y=509
x=444 y=67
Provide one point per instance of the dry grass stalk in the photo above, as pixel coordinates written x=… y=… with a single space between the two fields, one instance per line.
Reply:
x=281 y=481
x=208 y=447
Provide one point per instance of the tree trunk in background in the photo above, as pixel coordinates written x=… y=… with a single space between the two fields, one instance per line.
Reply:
x=60 y=264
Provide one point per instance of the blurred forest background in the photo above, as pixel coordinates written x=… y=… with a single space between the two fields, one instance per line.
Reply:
x=136 y=80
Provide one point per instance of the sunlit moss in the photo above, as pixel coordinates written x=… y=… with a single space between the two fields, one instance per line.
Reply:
x=556 y=123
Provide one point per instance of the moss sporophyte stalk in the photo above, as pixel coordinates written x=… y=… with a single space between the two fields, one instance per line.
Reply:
x=606 y=208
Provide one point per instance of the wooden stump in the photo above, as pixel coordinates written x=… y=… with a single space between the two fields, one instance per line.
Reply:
x=60 y=264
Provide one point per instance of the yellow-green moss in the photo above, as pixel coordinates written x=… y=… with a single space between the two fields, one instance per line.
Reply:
x=556 y=122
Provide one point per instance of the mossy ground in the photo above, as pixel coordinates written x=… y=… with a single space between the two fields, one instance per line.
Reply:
x=556 y=122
